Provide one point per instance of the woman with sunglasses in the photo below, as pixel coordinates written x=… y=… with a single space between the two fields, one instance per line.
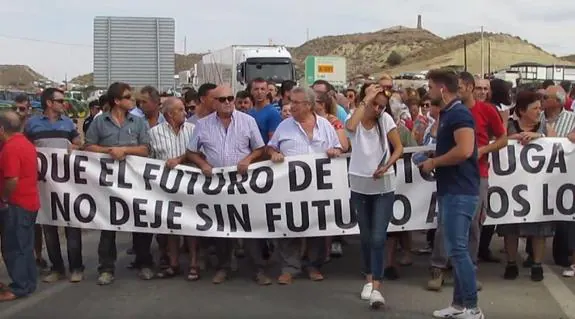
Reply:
x=376 y=146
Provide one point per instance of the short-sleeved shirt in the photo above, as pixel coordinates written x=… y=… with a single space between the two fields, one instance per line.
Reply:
x=563 y=124
x=139 y=113
x=487 y=124
x=268 y=118
x=462 y=178
x=45 y=133
x=166 y=144
x=369 y=150
x=222 y=146
x=104 y=131
x=341 y=113
x=18 y=159
x=290 y=138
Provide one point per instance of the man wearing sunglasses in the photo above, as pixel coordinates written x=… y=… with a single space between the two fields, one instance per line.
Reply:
x=22 y=106
x=55 y=130
x=119 y=133
x=228 y=137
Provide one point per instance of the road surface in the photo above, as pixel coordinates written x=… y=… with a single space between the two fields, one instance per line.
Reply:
x=336 y=297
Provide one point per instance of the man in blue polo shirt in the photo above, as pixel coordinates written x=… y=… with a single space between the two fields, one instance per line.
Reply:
x=266 y=115
x=53 y=129
x=457 y=175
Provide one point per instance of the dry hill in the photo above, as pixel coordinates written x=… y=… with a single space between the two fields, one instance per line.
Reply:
x=570 y=58
x=505 y=50
x=367 y=52
x=19 y=76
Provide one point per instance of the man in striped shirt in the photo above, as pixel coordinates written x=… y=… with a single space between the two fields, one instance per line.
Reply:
x=168 y=142
x=228 y=138
x=563 y=122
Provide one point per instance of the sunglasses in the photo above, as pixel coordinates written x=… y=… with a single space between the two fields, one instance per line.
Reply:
x=223 y=99
x=19 y=109
x=127 y=97
x=426 y=105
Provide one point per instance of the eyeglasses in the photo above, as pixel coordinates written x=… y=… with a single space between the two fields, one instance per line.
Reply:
x=61 y=101
x=223 y=99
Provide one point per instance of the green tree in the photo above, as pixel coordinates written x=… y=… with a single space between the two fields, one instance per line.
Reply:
x=394 y=59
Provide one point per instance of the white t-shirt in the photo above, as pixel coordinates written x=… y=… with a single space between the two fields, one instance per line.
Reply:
x=369 y=149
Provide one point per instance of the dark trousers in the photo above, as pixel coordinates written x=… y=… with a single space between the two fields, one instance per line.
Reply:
x=142 y=249
x=18 y=249
x=487 y=232
x=73 y=245
x=561 y=251
x=107 y=252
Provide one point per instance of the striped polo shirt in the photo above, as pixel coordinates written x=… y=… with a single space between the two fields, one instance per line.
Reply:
x=563 y=124
x=45 y=133
x=166 y=144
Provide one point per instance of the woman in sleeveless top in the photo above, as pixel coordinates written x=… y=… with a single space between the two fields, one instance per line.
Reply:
x=525 y=128
x=376 y=146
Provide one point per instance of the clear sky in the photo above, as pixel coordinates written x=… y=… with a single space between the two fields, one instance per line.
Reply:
x=55 y=37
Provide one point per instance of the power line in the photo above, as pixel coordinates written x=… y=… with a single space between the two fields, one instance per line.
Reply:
x=45 y=41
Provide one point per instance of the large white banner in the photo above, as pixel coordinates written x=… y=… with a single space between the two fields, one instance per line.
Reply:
x=304 y=196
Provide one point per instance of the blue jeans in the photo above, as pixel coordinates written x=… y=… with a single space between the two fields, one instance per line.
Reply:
x=18 y=249
x=457 y=212
x=374 y=212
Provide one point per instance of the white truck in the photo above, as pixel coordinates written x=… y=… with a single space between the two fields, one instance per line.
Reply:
x=237 y=65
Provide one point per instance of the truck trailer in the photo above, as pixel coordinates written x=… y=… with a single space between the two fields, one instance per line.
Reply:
x=237 y=65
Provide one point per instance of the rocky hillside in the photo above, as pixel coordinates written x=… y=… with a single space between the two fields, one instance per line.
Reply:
x=19 y=76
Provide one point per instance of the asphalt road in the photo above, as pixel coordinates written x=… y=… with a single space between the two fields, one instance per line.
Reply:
x=336 y=297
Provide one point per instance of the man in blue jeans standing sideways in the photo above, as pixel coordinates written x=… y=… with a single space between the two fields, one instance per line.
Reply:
x=457 y=175
x=19 y=204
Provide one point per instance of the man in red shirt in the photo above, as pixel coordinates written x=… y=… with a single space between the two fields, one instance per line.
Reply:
x=19 y=195
x=488 y=125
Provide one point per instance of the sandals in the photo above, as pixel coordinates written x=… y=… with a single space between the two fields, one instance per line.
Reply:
x=168 y=272
x=193 y=274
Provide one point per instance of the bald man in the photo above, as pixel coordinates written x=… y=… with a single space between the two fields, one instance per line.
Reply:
x=20 y=202
x=226 y=145
x=168 y=142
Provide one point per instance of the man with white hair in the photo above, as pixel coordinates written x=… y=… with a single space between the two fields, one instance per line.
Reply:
x=303 y=133
x=481 y=91
x=168 y=142
x=563 y=122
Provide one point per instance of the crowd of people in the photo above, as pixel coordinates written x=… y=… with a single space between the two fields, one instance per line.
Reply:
x=465 y=117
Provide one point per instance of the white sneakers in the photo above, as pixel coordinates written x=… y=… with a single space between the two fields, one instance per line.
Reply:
x=366 y=291
x=454 y=313
x=569 y=272
x=375 y=297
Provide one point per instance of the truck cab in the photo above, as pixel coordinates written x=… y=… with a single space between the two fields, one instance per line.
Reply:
x=270 y=63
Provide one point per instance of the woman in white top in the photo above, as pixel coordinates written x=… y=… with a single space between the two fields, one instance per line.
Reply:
x=375 y=147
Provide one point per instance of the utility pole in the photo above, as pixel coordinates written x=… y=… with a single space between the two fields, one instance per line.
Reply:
x=482 y=55
x=185 y=45
x=489 y=56
x=465 y=55
x=307 y=34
